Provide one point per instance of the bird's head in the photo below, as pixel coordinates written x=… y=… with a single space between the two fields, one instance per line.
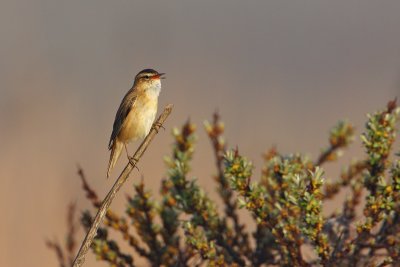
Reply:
x=149 y=78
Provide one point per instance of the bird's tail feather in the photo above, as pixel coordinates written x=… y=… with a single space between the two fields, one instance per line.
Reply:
x=114 y=156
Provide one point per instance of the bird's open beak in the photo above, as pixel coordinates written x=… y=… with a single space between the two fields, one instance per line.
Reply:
x=161 y=76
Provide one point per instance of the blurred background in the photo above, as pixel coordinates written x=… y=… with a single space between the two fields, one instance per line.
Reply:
x=279 y=73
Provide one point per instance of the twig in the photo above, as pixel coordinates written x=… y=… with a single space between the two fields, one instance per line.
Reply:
x=55 y=245
x=71 y=236
x=326 y=154
x=66 y=256
x=113 y=220
x=240 y=238
x=80 y=258
x=90 y=193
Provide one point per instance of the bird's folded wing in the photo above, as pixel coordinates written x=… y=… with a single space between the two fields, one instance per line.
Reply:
x=126 y=105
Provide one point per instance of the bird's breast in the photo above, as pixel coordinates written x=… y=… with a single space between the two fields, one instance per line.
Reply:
x=140 y=118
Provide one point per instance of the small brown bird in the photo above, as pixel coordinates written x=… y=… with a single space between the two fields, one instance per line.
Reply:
x=136 y=114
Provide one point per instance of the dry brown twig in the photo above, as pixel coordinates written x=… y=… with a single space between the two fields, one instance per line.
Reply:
x=66 y=255
x=80 y=258
x=55 y=245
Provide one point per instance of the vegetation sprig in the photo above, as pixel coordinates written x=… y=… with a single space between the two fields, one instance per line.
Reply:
x=184 y=227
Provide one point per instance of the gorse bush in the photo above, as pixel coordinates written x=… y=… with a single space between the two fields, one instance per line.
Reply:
x=185 y=227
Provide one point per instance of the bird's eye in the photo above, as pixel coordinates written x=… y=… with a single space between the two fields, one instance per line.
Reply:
x=146 y=77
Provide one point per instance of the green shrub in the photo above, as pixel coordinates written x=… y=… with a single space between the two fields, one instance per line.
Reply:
x=185 y=228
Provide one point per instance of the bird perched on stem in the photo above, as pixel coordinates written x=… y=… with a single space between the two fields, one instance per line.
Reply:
x=136 y=114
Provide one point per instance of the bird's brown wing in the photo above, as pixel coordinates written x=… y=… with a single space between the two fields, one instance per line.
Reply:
x=123 y=111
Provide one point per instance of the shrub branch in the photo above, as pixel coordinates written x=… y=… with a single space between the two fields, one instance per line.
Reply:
x=80 y=258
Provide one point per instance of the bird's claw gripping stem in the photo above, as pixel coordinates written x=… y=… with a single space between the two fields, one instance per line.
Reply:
x=157 y=125
x=133 y=161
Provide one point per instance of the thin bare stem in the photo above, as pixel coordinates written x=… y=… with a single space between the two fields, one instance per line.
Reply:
x=71 y=241
x=80 y=258
x=55 y=245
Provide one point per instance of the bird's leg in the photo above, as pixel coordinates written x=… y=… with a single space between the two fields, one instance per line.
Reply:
x=132 y=160
x=126 y=149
